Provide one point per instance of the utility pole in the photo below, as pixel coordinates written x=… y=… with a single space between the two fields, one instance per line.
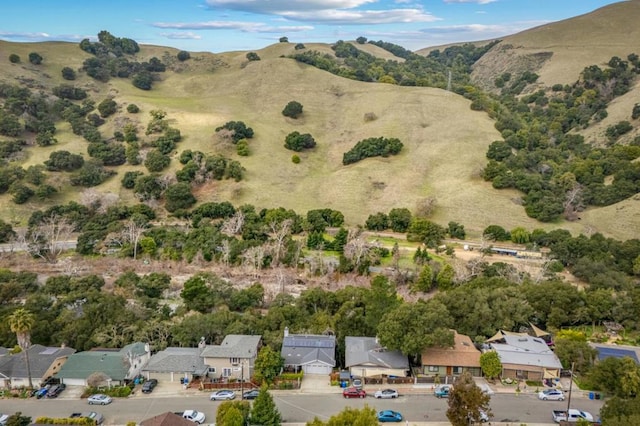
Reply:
x=241 y=378
x=570 y=389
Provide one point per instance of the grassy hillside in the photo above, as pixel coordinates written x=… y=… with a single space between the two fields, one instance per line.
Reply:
x=445 y=141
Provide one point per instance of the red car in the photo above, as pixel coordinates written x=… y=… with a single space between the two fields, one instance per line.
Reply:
x=354 y=393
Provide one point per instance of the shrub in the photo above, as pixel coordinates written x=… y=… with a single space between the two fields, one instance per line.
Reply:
x=293 y=109
x=253 y=56
x=295 y=159
x=284 y=40
x=14 y=59
x=372 y=147
x=242 y=148
x=299 y=142
x=299 y=46
x=370 y=116
x=35 y=58
x=107 y=107
x=68 y=73
x=133 y=108
x=238 y=130
x=183 y=56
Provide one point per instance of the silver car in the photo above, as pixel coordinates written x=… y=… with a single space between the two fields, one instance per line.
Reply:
x=551 y=395
x=222 y=395
x=386 y=393
x=99 y=399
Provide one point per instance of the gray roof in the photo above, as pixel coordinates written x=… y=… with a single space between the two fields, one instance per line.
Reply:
x=177 y=360
x=367 y=351
x=234 y=346
x=526 y=350
x=302 y=349
x=40 y=359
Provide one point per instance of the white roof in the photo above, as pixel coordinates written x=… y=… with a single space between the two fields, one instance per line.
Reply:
x=526 y=350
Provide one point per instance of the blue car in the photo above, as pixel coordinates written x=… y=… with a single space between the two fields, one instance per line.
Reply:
x=389 y=416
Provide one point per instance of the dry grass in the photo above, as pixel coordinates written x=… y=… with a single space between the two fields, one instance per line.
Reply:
x=445 y=142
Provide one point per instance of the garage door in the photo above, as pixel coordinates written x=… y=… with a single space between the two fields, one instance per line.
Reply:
x=316 y=369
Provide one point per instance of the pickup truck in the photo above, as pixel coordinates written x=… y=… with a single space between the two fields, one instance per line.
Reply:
x=192 y=415
x=442 y=391
x=96 y=417
x=572 y=416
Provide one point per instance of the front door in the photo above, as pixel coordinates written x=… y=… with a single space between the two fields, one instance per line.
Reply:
x=449 y=371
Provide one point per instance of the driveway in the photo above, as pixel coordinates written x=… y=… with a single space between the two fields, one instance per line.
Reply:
x=317 y=383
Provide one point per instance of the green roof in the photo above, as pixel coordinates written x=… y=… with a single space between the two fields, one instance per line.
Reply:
x=112 y=362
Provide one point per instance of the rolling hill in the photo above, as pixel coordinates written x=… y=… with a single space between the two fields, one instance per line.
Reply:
x=444 y=140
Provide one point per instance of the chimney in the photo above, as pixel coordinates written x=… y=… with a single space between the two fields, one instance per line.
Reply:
x=202 y=343
x=286 y=331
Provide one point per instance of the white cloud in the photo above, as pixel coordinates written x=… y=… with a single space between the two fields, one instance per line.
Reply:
x=247 y=27
x=40 y=36
x=362 y=17
x=182 y=36
x=276 y=7
x=471 y=1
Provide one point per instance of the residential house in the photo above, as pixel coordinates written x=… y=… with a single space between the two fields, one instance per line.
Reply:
x=365 y=357
x=311 y=353
x=616 y=351
x=234 y=358
x=449 y=362
x=175 y=364
x=115 y=366
x=166 y=419
x=525 y=357
x=44 y=362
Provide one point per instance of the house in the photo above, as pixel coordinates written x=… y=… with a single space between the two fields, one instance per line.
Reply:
x=616 y=351
x=450 y=362
x=44 y=362
x=525 y=357
x=174 y=364
x=365 y=357
x=166 y=419
x=117 y=366
x=234 y=358
x=311 y=353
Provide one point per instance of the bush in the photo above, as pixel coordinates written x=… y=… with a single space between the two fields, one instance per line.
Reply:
x=295 y=159
x=183 y=56
x=253 y=56
x=299 y=142
x=133 y=108
x=299 y=46
x=107 y=107
x=284 y=40
x=14 y=59
x=238 y=130
x=372 y=147
x=68 y=73
x=35 y=58
x=293 y=109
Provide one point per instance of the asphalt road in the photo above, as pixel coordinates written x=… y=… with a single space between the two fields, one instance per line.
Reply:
x=298 y=408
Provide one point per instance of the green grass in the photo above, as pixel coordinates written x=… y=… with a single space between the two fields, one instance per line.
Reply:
x=445 y=141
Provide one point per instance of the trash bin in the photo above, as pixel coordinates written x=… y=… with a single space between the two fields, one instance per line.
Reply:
x=343 y=384
x=597 y=395
x=591 y=395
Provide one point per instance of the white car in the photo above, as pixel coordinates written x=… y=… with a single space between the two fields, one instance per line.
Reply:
x=194 y=416
x=222 y=395
x=386 y=393
x=3 y=419
x=99 y=399
x=551 y=395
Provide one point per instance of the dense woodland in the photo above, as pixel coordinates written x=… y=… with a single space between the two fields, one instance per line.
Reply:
x=558 y=173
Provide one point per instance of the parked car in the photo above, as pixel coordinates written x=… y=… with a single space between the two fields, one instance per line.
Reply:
x=484 y=417
x=551 y=395
x=56 y=390
x=99 y=399
x=3 y=419
x=42 y=392
x=192 y=415
x=252 y=394
x=96 y=417
x=147 y=387
x=386 y=393
x=571 y=416
x=222 y=395
x=357 y=383
x=354 y=393
x=443 y=391
x=389 y=416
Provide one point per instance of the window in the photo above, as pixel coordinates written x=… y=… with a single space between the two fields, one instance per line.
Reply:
x=226 y=372
x=457 y=370
x=234 y=361
x=433 y=369
x=212 y=370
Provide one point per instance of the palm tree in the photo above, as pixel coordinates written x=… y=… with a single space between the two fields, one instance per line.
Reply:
x=21 y=322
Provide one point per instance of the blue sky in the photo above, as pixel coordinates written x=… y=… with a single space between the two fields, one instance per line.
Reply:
x=228 y=25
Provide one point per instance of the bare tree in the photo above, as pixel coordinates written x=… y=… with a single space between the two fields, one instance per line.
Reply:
x=47 y=239
x=573 y=202
x=254 y=257
x=133 y=230
x=357 y=249
x=426 y=206
x=233 y=225
x=225 y=250
x=280 y=232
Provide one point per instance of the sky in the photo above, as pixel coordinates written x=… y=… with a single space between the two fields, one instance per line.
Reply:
x=231 y=25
